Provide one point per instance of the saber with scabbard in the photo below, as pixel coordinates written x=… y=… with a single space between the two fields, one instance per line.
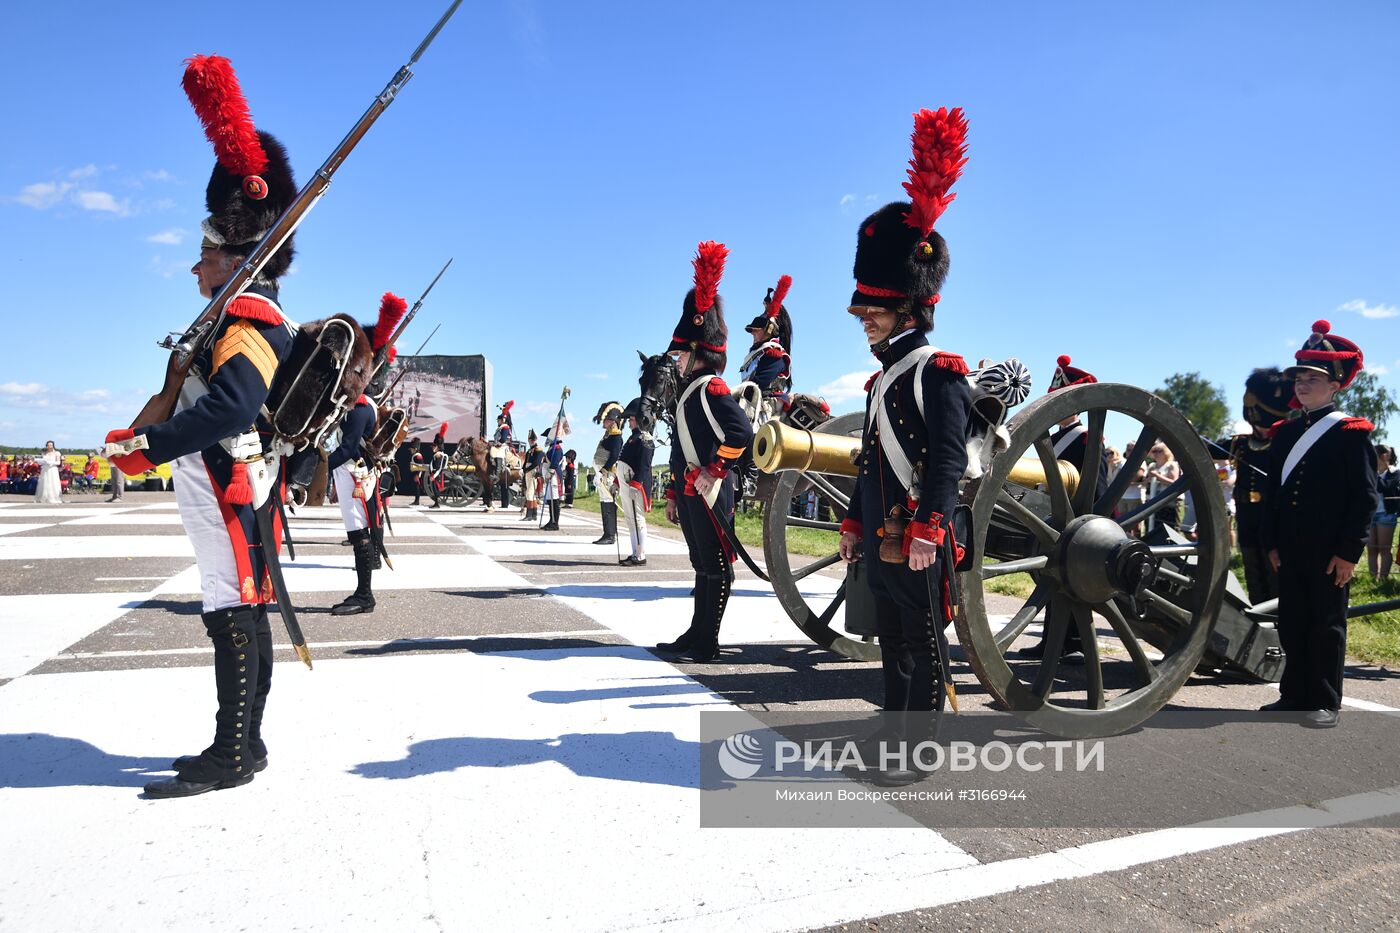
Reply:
x=262 y=515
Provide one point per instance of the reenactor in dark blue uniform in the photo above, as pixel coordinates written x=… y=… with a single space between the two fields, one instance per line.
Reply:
x=634 y=482
x=914 y=445
x=712 y=433
x=553 y=470
x=418 y=468
x=505 y=433
x=768 y=364
x=570 y=477
x=357 y=485
x=1070 y=442
x=217 y=438
x=530 y=473
x=1321 y=498
x=1267 y=393
x=605 y=466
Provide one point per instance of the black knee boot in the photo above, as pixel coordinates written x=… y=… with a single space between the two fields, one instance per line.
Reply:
x=553 y=523
x=366 y=558
x=609 y=514
x=255 y=743
x=705 y=645
x=683 y=644
x=228 y=762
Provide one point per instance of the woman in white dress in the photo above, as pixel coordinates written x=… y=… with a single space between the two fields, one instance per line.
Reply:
x=49 y=489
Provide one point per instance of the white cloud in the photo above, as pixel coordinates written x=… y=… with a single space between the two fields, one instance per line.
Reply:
x=158 y=175
x=21 y=388
x=87 y=171
x=91 y=394
x=1378 y=370
x=1374 y=312
x=847 y=199
x=537 y=408
x=596 y=375
x=172 y=237
x=100 y=201
x=42 y=195
x=845 y=388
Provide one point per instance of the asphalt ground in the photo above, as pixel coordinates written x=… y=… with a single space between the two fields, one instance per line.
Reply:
x=89 y=589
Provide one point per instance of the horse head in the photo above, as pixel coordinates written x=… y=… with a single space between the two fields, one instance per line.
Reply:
x=660 y=384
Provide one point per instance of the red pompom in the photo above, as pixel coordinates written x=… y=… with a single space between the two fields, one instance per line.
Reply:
x=391 y=311
x=940 y=152
x=1321 y=327
x=213 y=89
x=776 y=301
x=239 y=492
x=709 y=267
x=1063 y=361
x=717 y=387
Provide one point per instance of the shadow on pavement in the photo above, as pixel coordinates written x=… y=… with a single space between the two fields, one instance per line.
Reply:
x=637 y=757
x=36 y=759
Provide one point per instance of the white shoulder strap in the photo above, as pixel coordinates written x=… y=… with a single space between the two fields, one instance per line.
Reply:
x=692 y=457
x=899 y=463
x=1310 y=437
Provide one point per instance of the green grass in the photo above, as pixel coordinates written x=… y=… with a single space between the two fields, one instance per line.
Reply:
x=1018 y=585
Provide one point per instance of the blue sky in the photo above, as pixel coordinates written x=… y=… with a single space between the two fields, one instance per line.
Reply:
x=1151 y=188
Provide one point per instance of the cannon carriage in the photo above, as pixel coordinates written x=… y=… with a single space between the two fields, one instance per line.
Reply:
x=1167 y=605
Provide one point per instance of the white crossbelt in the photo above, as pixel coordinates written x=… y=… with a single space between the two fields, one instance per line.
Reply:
x=692 y=456
x=899 y=463
x=1069 y=437
x=1310 y=437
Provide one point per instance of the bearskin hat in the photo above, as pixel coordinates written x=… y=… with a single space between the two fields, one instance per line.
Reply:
x=702 y=314
x=391 y=311
x=1335 y=357
x=1268 y=397
x=608 y=410
x=901 y=261
x=1067 y=375
x=252 y=183
x=774 y=321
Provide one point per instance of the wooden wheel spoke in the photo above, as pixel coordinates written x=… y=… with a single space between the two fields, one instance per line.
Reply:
x=1061 y=511
x=1167 y=608
x=793 y=522
x=1088 y=488
x=1033 y=523
x=1057 y=622
x=830 y=612
x=1114 y=493
x=822 y=563
x=831 y=492
x=1093 y=664
x=1154 y=505
x=1146 y=670
x=1023 y=617
x=1024 y=565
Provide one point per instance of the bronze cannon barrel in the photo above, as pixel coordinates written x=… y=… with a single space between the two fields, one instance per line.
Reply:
x=779 y=446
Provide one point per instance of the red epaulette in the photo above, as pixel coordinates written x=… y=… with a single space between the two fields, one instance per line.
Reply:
x=1273 y=428
x=362 y=400
x=869 y=383
x=254 y=309
x=950 y=361
x=1357 y=424
x=717 y=387
x=774 y=351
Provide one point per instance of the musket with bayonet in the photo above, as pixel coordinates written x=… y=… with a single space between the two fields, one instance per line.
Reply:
x=187 y=348
x=403 y=325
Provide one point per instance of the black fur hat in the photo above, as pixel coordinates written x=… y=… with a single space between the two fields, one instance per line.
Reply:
x=901 y=261
x=1268 y=394
x=702 y=313
x=252 y=182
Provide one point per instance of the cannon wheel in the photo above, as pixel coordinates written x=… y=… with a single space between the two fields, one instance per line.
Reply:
x=462 y=489
x=1071 y=543
x=813 y=615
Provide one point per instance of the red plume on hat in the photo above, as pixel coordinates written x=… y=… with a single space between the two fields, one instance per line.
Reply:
x=213 y=89
x=775 y=301
x=1336 y=357
x=391 y=311
x=1067 y=375
x=709 y=268
x=940 y=152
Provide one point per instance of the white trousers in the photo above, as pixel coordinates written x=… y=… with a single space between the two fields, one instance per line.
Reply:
x=352 y=509
x=219 y=578
x=631 y=503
